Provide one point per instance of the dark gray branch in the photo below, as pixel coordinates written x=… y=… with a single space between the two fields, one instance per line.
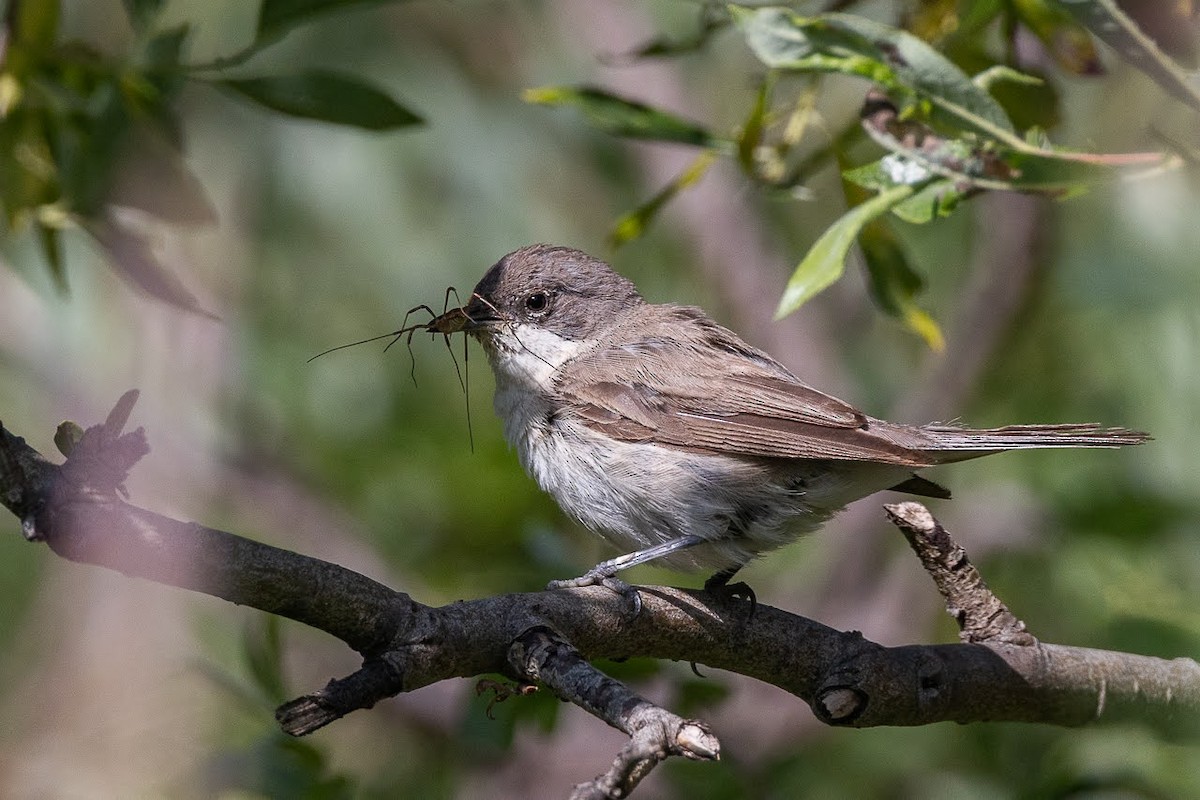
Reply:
x=549 y=636
x=377 y=679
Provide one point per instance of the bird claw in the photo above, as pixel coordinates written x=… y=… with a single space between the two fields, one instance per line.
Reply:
x=740 y=590
x=629 y=594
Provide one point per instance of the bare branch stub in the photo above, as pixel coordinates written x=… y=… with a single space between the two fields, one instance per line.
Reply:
x=981 y=616
x=25 y=478
x=543 y=655
x=378 y=679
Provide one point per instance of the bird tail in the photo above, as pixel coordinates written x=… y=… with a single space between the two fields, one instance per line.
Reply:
x=952 y=443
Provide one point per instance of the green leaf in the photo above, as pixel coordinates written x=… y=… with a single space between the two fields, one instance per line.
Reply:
x=1113 y=27
x=49 y=237
x=277 y=17
x=885 y=173
x=754 y=127
x=29 y=176
x=325 y=96
x=262 y=649
x=933 y=20
x=932 y=198
x=634 y=224
x=826 y=260
x=893 y=283
x=1029 y=99
x=164 y=49
x=666 y=47
x=900 y=62
x=149 y=88
x=978 y=15
x=33 y=23
x=621 y=117
x=694 y=696
x=288 y=767
x=1002 y=73
x=938 y=199
x=142 y=12
x=27 y=35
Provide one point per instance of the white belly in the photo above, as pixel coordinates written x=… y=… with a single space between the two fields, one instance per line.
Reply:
x=637 y=495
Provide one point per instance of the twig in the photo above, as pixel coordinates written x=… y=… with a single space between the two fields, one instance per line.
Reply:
x=980 y=615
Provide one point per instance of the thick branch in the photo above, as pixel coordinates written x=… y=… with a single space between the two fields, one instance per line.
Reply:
x=549 y=636
x=909 y=685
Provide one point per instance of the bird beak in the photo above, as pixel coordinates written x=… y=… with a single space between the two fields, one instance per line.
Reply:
x=474 y=316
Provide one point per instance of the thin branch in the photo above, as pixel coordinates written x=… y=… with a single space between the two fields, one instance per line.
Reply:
x=540 y=654
x=377 y=679
x=980 y=615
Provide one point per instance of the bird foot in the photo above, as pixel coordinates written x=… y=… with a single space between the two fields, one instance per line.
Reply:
x=740 y=590
x=629 y=595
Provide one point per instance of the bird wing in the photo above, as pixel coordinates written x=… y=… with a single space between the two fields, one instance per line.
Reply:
x=709 y=391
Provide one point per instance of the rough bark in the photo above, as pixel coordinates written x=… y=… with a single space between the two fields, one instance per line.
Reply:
x=999 y=672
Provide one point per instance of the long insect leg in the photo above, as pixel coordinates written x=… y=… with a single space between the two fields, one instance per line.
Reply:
x=467 y=392
x=411 y=331
x=463 y=374
x=450 y=290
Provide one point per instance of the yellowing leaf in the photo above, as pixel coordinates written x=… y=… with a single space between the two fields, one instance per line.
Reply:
x=634 y=224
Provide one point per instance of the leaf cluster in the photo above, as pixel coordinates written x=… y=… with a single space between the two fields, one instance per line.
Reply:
x=946 y=135
x=85 y=134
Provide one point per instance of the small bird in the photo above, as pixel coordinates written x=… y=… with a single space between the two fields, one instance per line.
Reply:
x=676 y=441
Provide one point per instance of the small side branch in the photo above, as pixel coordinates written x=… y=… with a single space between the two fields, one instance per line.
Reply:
x=378 y=679
x=980 y=615
x=540 y=654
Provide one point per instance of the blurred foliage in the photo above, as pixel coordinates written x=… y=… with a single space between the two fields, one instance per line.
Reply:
x=270 y=763
x=948 y=137
x=71 y=114
x=327 y=234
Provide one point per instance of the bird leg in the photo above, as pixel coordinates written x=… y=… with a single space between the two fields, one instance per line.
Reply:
x=604 y=573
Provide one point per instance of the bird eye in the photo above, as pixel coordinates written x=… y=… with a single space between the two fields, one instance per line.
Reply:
x=537 y=301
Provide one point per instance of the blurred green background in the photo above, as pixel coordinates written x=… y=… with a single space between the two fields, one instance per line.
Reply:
x=118 y=688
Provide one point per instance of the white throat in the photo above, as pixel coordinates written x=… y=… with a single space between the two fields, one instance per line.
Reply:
x=525 y=357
